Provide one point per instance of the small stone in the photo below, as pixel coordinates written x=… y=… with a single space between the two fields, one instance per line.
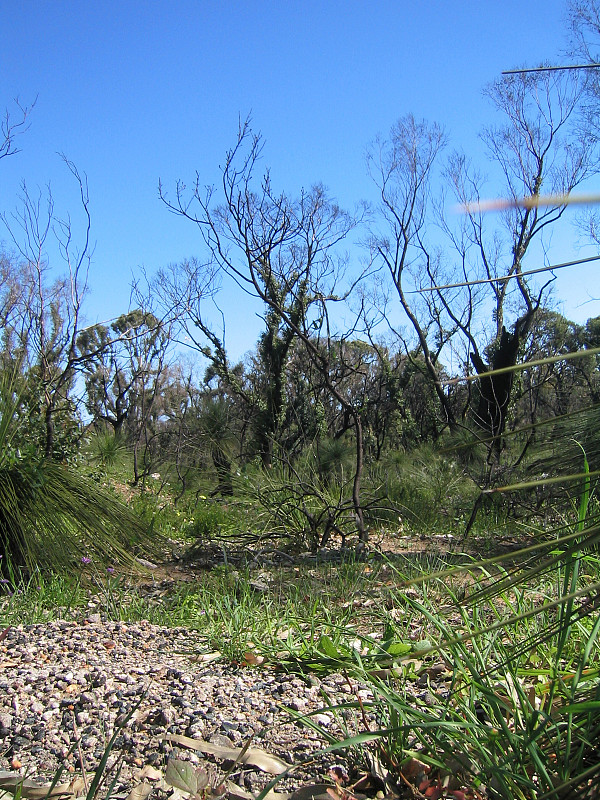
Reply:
x=6 y=721
x=19 y=742
x=218 y=738
x=162 y=717
x=298 y=704
x=89 y=742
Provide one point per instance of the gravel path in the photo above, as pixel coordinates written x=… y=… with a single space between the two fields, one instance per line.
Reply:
x=63 y=681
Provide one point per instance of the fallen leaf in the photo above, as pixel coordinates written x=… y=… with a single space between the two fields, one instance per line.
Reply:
x=284 y=634
x=205 y=658
x=312 y=791
x=150 y=773
x=15 y=783
x=437 y=671
x=414 y=768
x=273 y=795
x=235 y=792
x=145 y=563
x=253 y=755
x=140 y=792
x=253 y=660
x=79 y=786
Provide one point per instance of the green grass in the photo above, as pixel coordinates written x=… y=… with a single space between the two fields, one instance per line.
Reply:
x=515 y=708
x=230 y=607
x=40 y=599
x=518 y=710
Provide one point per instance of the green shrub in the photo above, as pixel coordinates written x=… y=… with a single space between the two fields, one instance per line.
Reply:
x=426 y=488
x=208 y=522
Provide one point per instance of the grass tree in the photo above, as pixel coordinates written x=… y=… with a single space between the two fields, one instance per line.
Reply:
x=51 y=517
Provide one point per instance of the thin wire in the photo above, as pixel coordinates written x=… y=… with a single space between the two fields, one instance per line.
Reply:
x=504 y=277
x=549 y=69
x=593 y=351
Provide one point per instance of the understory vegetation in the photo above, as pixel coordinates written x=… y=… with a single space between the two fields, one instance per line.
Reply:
x=481 y=660
x=404 y=492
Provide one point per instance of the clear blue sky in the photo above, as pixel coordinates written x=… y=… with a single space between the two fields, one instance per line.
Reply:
x=137 y=90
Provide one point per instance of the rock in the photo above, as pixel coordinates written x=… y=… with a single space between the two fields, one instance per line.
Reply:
x=298 y=704
x=6 y=721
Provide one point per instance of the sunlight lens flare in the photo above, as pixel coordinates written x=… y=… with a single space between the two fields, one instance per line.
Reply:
x=534 y=201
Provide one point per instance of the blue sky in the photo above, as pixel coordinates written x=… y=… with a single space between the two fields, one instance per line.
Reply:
x=141 y=90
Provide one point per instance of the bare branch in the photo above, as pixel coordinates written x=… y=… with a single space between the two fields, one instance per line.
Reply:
x=10 y=129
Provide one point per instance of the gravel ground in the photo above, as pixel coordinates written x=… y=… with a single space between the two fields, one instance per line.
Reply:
x=64 y=682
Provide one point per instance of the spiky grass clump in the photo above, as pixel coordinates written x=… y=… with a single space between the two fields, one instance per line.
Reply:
x=52 y=518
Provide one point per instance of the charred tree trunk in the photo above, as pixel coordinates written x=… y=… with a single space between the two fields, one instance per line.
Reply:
x=495 y=390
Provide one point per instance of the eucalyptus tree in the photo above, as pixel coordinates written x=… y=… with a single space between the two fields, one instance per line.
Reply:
x=50 y=316
x=283 y=251
x=555 y=388
x=275 y=247
x=475 y=299
x=584 y=48
x=126 y=374
x=126 y=360
x=401 y=167
x=540 y=147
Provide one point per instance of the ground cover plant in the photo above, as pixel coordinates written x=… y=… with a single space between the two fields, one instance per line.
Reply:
x=507 y=700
